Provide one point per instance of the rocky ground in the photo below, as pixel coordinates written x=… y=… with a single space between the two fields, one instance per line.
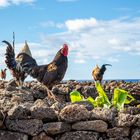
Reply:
x=28 y=113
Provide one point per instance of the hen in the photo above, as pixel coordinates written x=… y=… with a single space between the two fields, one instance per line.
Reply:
x=3 y=74
x=15 y=64
x=98 y=72
x=52 y=73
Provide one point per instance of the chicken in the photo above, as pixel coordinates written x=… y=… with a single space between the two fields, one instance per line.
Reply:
x=15 y=64
x=98 y=72
x=52 y=73
x=3 y=74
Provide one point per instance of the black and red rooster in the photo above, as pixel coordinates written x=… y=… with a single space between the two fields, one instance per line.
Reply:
x=48 y=75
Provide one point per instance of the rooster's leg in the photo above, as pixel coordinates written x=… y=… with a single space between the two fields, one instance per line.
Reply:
x=51 y=95
x=49 y=92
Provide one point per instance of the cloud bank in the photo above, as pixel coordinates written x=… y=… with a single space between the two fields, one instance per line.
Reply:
x=5 y=3
x=92 y=39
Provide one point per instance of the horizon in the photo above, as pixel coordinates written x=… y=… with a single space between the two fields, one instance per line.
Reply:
x=97 y=32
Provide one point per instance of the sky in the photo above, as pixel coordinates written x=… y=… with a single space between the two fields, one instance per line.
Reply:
x=97 y=32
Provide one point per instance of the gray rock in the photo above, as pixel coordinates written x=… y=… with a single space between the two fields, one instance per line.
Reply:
x=103 y=114
x=135 y=134
x=42 y=136
x=97 y=125
x=7 y=135
x=57 y=106
x=31 y=127
x=89 y=91
x=56 y=128
x=22 y=96
x=41 y=111
x=125 y=120
x=131 y=110
x=79 y=135
x=138 y=120
x=39 y=95
x=119 y=138
x=20 y=112
x=74 y=112
x=87 y=105
x=118 y=132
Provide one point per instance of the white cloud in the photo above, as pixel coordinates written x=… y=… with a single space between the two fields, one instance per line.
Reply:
x=4 y=3
x=98 y=39
x=79 y=24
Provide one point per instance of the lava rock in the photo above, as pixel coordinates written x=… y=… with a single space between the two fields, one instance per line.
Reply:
x=7 y=135
x=42 y=136
x=104 y=114
x=31 y=127
x=87 y=105
x=79 y=135
x=132 y=110
x=56 y=128
x=118 y=132
x=125 y=120
x=138 y=120
x=20 y=112
x=135 y=134
x=119 y=138
x=97 y=125
x=74 y=112
x=41 y=111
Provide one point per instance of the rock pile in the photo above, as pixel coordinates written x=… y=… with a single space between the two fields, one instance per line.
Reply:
x=28 y=114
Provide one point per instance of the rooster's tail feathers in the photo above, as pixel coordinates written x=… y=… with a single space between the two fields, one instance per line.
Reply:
x=10 y=56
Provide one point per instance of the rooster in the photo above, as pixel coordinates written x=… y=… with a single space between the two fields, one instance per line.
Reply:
x=3 y=74
x=98 y=72
x=15 y=64
x=52 y=73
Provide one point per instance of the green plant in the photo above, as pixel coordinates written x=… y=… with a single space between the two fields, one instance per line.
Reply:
x=120 y=97
x=75 y=96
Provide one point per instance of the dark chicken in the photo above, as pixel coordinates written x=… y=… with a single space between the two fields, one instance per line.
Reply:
x=51 y=73
x=98 y=72
x=15 y=64
x=3 y=74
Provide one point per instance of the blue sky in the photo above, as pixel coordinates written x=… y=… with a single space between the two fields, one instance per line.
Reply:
x=97 y=31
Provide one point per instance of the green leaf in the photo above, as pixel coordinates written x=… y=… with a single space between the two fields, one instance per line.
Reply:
x=75 y=96
x=102 y=99
x=131 y=99
x=120 y=98
x=92 y=101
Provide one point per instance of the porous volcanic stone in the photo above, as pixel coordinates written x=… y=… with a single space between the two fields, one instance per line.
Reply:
x=125 y=120
x=118 y=132
x=31 y=127
x=7 y=135
x=97 y=125
x=103 y=114
x=41 y=111
x=22 y=96
x=20 y=112
x=56 y=128
x=79 y=135
x=74 y=112
x=138 y=120
x=136 y=134
x=42 y=136
x=130 y=110
x=119 y=138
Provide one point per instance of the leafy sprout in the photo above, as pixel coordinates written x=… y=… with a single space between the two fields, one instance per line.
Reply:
x=120 y=97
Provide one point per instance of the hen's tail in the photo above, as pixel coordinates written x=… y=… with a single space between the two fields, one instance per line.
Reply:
x=103 y=68
x=10 y=56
